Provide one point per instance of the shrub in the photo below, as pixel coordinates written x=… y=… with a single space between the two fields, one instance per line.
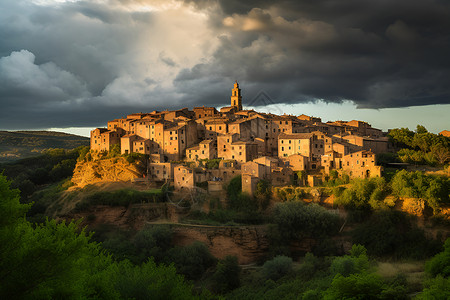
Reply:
x=393 y=233
x=226 y=277
x=296 y=219
x=278 y=267
x=440 y=264
x=152 y=241
x=192 y=260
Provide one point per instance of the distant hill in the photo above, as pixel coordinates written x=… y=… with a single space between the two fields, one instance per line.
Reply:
x=21 y=144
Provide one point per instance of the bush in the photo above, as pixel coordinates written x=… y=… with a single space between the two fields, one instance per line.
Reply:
x=393 y=233
x=154 y=242
x=364 y=194
x=123 y=197
x=356 y=262
x=226 y=277
x=296 y=219
x=277 y=267
x=355 y=286
x=440 y=264
x=193 y=260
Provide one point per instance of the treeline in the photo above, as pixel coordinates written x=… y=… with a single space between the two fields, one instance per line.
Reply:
x=377 y=193
x=420 y=147
x=52 y=166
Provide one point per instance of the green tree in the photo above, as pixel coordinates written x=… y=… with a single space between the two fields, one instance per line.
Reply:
x=57 y=260
x=278 y=267
x=226 y=277
x=263 y=193
x=355 y=286
x=192 y=260
x=296 y=219
x=440 y=263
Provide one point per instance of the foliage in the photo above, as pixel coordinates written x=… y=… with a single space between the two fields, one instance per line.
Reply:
x=224 y=216
x=278 y=267
x=337 y=179
x=440 y=263
x=114 y=150
x=263 y=193
x=355 y=286
x=393 y=233
x=233 y=189
x=226 y=276
x=438 y=268
x=296 y=219
x=437 y=288
x=421 y=147
x=366 y=193
x=315 y=279
x=122 y=197
x=356 y=262
x=57 y=260
x=23 y=144
x=133 y=157
x=192 y=260
x=385 y=158
x=153 y=242
x=210 y=163
x=432 y=189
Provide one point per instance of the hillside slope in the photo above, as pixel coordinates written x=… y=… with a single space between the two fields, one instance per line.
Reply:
x=21 y=144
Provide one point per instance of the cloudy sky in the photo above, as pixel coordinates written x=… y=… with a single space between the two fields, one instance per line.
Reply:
x=67 y=64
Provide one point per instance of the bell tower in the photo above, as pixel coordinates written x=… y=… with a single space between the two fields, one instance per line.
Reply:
x=236 y=98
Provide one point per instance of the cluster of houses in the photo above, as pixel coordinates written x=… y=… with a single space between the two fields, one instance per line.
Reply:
x=256 y=145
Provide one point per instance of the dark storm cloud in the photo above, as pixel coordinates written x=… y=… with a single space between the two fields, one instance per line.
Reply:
x=84 y=62
x=375 y=53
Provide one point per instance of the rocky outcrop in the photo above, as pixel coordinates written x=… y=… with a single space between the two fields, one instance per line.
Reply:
x=106 y=170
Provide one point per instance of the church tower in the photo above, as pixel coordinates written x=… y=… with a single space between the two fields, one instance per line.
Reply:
x=236 y=98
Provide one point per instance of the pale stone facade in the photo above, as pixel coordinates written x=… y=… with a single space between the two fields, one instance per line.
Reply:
x=256 y=145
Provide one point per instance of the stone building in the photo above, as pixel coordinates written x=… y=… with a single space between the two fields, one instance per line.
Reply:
x=256 y=145
x=361 y=164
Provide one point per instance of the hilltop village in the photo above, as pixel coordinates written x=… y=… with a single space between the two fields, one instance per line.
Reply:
x=259 y=146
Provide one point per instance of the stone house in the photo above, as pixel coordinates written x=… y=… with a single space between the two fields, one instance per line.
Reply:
x=361 y=164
